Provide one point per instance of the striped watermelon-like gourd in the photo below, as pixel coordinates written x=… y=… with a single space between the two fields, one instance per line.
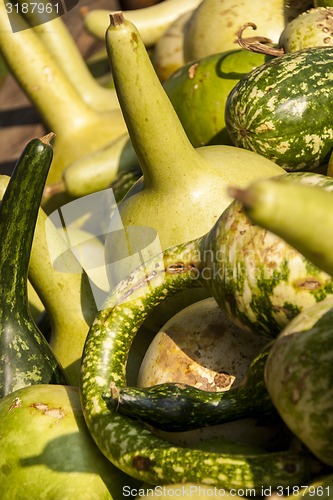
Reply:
x=283 y=109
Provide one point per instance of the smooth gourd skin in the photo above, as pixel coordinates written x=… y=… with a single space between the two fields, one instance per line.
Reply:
x=179 y=182
x=47 y=451
x=281 y=110
x=151 y=21
x=199 y=90
x=214 y=24
x=26 y=357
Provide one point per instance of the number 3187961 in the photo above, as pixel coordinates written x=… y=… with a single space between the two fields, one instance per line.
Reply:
x=300 y=491
x=31 y=7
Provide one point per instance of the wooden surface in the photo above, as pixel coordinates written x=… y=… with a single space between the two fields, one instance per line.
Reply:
x=19 y=122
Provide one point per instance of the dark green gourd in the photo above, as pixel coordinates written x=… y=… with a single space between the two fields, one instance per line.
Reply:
x=180 y=407
x=25 y=355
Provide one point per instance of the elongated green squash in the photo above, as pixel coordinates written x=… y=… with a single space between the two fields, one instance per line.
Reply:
x=26 y=357
x=182 y=407
x=282 y=109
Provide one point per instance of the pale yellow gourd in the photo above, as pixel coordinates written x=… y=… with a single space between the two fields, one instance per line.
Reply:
x=79 y=129
x=214 y=24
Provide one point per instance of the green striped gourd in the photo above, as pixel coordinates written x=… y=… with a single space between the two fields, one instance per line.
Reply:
x=282 y=109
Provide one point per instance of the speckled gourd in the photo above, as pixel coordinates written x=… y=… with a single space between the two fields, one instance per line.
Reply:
x=281 y=284
x=298 y=377
x=312 y=28
x=26 y=357
x=304 y=221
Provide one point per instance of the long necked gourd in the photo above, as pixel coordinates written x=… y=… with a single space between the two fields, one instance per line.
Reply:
x=79 y=129
x=179 y=181
x=59 y=42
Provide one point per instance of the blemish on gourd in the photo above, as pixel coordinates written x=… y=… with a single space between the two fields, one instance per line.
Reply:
x=44 y=408
x=308 y=284
x=48 y=74
x=15 y=404
x=192 y=70
x=141 y=463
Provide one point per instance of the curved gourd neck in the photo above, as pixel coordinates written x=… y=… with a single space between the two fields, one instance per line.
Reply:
x=57 y=101
x=160 y=142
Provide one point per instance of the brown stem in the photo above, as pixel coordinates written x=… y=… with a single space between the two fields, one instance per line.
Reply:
x=257 y=43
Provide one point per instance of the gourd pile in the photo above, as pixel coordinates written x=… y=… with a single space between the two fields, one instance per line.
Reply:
x=166 y=319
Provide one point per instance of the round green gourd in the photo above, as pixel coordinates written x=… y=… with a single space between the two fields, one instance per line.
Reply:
x=47 y=451
x=199 y=90
x=282 y=110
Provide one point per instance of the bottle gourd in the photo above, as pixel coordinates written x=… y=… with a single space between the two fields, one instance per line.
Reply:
x=26 y=357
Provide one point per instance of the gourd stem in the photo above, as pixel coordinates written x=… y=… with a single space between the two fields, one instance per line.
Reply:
x=257 y=43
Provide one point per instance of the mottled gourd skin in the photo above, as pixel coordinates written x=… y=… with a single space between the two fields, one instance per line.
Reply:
x=299 y=378
x=261 y=281
x=128 y=443
x=282 y=110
